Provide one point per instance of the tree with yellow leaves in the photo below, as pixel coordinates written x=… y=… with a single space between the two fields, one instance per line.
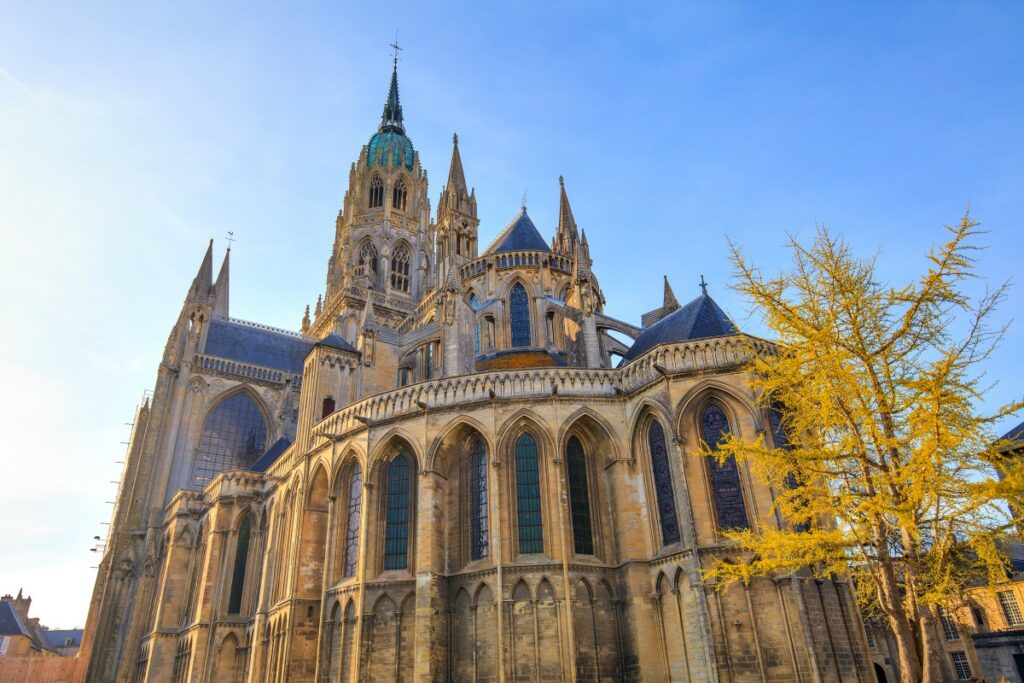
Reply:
x=883 y=463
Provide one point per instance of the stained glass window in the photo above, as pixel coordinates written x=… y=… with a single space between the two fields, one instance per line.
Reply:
x=233 y=437
x=478 y=498
x=376 y=192
x=241 y=560
x=531 y=528
x=398 y=195
x=397 y=513
x=519 y=315
x=724 y=477
x=474 y=303
x=663 y=488
x=579 y=498
x=355 y=506
x=428 y=361
x=400 y=269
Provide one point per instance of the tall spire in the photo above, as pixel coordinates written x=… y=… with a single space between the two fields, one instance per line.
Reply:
x=456 y=178
x=222 y=287
x=203 y=281
x=391 y=119
x=669 y=300
x=566 y=236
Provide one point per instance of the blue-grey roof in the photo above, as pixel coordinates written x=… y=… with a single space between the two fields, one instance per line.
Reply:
x=520 y=234
x=698 y=319
x=260 y=346
x=10 y=624
x=390 y=148
x=61 y=638
x=270 y=455
x=335 y=341
x=1015 y=434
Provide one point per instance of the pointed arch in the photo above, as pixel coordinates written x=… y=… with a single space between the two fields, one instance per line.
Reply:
x=664 y=486
x=234 y=435
x=399 y=194
x=579 y=497
x=724 y=476
x=351 y=504
x=313 y=536
x=523 y=634
x=347 y=659
x=529 y=516
x=238 y=575
x=399 y=484
x=400 y=259
x=520 y=332
x=376 y=192
x=462 y=633
x=367 y=261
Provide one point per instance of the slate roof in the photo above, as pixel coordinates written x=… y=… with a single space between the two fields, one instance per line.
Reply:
x=1015 y=434
x=699 y=319
x=270 y=455
x=520 y=234
x=10 y=624
x=250 y=343
x=58 y=638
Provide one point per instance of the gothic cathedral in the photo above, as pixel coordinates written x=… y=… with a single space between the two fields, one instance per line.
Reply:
x=453 y=472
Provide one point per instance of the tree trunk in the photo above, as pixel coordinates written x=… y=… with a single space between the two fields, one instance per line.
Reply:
x=906 y=649
x=932 y=660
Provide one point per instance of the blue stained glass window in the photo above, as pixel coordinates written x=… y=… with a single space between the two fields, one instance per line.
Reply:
x=241 y=561
x=663 y=489
x=724 y=477
x=579 y=498
x=474 y=303
x=531 y=527
x=355 y=505
x=233 y=437
x=519 y=315
x=397 y=514
x=478 y=498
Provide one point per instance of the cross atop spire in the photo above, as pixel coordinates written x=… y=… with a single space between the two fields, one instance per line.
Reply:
x=703 y=286
x=391 y=119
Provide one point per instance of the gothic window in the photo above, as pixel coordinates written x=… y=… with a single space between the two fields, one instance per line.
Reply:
x=531 y=528
x=398 y=195
x=549 y=326
x=428 y=361
x=397 y=513
x=376 y=192
x=328 y=407
x=725 y=477
x=368 y=263
x=352 y=516
x=404 y=376
x=579 y=498
x=478 y=498
x=474 y=303
x=519 y=315
x=233 y=437
x=488 y=340
x=400 y=269
x=948 y=624
x=663 y=489
x=241 y=561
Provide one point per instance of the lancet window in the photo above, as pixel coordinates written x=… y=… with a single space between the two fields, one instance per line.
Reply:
x=530 y=521
x=376 y=192
x=400 y=269
x=241 y=562
x=352 y=519
x=663 y=489
x=474 y=303
x=579 y=498
x=519 y=315
x=478 y=498
x=724 y=477
x=398 y=195
x=397 y=513
x=367 y=264
x=234 y=436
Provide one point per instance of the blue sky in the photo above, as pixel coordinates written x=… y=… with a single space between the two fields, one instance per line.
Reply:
x=132 y=133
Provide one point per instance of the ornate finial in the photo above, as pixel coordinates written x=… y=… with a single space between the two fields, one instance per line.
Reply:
x=703 y=286
x=561 y=181
x=455 y=138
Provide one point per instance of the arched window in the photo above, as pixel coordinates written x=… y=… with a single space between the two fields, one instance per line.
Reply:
x=397 y=513
x=519 y=315
x=352 y=517
x=367 y=264
x=376 y=192
x=478 y=498
x=725 y=477
x=663 y=488
x=579 y=498
x=233 y=437
x=241 y=562
x=400 y=269
x=398 y=195
x=474 y=303
x=549 y=326
x=531 y=528
x=328 y=407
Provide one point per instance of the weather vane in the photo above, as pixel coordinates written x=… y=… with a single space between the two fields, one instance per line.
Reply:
x=230 y=239
x=525 y=190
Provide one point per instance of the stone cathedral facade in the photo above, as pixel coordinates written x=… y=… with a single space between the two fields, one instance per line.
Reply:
x=452 y=472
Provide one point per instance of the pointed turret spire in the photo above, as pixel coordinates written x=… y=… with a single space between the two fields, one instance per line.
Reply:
x=222 y=287
x=203 y=281
x=670 y=300
x=369 y=320
x=456 y=178
x=391 y=119
x=319 y=305
x=306 y=321
x=566 y=236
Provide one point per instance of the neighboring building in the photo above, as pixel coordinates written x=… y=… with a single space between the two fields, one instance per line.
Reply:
x=31 y=653
x=21 y=635
x=453 y=472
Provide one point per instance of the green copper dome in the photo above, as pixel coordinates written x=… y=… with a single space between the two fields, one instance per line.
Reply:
x=390 y=144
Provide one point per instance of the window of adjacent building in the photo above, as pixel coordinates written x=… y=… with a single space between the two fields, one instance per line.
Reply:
x=529 y=519
x=1011 y=610
x=948 y=625
x=328 y=407
x=478 y=498
x=376 y=192
x=234 y=436
x=241 y=562
x=961 y=665
x=579 y=498
x=979 y=618
x=397 y=513
x=869 y=635
x=663 y=489
x=400 y=269
x=398 y=195
x=724 y=477
x=352 y=519
x=519 y=315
